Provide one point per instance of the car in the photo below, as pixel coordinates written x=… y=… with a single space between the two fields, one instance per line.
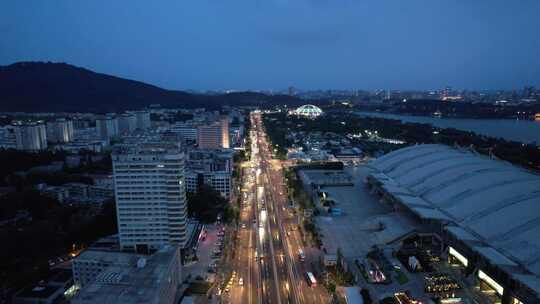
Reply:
x=241 y=282
x=243 y=225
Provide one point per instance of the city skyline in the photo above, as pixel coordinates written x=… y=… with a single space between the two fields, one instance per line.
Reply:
x=270 y=151
x=273 y=45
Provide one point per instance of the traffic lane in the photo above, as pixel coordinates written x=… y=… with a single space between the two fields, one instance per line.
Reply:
x=244 y=287
x=286 y=275
x=243 y=284
x=276 y=232
x=266 y=261
x=271 y=253
x=314 y=293
x=276 y=238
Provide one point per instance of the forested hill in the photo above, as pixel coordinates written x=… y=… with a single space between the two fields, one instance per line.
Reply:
x=59 y=87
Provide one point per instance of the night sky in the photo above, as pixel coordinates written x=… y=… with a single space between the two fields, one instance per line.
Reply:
x=273 y=44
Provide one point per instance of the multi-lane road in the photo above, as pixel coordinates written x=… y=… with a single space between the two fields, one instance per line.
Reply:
x=267 y=264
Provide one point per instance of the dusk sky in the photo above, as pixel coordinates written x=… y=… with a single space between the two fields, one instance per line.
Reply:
x=273 y=44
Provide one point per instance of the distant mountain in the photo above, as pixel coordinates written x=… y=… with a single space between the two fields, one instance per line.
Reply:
x=60 y=87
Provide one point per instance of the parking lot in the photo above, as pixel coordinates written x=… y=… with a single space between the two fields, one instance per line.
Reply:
x=364 y=221
x=208 y=252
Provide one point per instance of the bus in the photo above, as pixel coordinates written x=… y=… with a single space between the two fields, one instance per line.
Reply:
x=301 y=255
x=312 y=282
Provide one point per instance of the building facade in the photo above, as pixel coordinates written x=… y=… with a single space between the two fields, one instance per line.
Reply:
x=187 y=132
x=31 y=136
x=60 y=131
x=127 y=123
x=143 y=120
x=107 y=127
x=210 y=136
x=150 y=196
x=225 y=142
x=212 y=168
x=219 y=181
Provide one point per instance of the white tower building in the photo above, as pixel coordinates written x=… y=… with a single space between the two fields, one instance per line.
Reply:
x=150 y=196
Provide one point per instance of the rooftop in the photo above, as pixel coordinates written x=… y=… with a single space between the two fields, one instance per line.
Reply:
x=482 y=199
x=130 y=282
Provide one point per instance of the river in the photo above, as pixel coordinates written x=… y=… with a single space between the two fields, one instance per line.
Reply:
x=525 y=131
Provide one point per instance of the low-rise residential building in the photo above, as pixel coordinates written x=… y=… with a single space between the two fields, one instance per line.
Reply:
x=210 y=167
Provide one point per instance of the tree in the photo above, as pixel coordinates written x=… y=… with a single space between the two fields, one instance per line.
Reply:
x=206 y=204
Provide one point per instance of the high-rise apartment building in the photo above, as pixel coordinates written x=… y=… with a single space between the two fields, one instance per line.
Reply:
x=107 y=127
x=143 y=120
x=60 y=131
x=210 y=136
x=31 y=136
x=127 y=123
x=214 y=135
x=150 y=196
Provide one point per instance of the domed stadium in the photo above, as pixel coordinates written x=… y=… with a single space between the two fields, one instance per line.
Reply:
x=309 y=111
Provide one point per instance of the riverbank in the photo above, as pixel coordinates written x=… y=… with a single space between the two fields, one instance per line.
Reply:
x=524 y=131
x=359 y=131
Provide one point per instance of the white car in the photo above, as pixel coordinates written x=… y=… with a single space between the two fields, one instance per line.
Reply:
x=241 y=282
x=243 y=226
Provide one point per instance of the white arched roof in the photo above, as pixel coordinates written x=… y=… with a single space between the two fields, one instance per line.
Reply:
x=308 y=110
x=492 y=200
